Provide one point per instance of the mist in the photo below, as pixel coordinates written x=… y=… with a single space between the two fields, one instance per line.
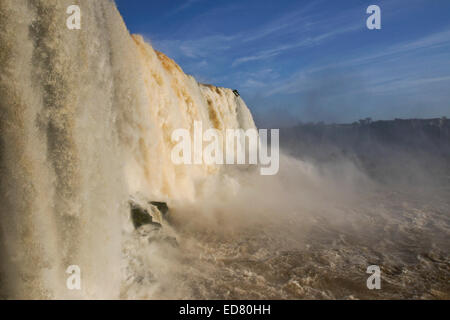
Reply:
x=309 y=232
x=87 y=179
x=343 y=95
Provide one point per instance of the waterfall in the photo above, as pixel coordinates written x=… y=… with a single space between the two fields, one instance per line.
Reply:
x=86 y=118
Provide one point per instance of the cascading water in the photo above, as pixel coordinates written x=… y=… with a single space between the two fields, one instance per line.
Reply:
x=85 y=119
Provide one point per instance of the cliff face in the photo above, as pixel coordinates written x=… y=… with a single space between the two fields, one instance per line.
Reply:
x=85 y=122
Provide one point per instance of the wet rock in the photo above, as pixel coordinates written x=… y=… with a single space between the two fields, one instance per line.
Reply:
x=140 y=217
x=148 y=230
x=148 y=222
x=152 y=233
x=162 y=207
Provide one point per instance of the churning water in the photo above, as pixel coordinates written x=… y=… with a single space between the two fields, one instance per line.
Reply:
x=86 y=118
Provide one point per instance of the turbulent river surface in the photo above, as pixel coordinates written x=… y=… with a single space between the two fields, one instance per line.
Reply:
x=86 y=118
x=308 y=252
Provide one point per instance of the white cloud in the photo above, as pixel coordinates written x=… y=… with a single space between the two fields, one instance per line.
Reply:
x=184 y=6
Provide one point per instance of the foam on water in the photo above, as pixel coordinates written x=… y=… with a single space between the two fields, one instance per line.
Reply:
x=86 y=118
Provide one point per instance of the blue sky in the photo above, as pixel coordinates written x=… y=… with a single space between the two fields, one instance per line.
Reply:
x=309 y=60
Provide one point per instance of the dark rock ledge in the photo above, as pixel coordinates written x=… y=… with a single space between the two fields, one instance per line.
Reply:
x=150 y=224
